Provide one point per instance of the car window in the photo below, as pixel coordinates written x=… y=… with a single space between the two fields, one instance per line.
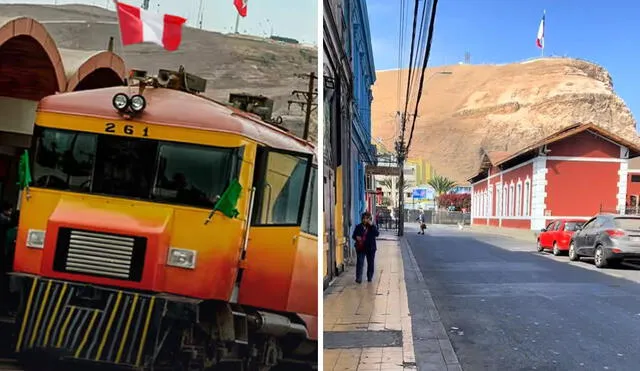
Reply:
x=572 y=226
x=599 y=223
x=627 y=223
x=589 y=225
x=549 y=226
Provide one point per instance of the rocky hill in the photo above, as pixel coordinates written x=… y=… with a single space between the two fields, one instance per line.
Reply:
x=467 y=108
x=230 y=63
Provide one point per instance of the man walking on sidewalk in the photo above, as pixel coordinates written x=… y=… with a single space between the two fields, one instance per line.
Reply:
x=365 y=236
x=421 y=220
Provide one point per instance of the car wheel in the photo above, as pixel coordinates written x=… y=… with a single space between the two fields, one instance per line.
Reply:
x=556 y=250
x=539 y=246
x=599 y=259
x=573 y=255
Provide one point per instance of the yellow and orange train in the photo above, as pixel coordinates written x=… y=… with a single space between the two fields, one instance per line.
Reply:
x=165 y=230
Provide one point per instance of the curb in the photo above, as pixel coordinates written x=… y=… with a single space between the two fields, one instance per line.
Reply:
x=432 y=346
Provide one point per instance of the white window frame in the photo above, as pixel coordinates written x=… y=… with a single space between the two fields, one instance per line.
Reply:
x=484 y=203
x=498 y=199
x=511 y=199
x=527 y=197
x=490 y=203
x=519 y=198
x=505 y=200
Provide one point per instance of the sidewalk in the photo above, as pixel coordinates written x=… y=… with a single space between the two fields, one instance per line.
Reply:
x=367 y=326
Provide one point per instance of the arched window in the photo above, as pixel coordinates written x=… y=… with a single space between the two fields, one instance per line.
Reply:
x=527 y=198
x=519 y=198
x=512 y=204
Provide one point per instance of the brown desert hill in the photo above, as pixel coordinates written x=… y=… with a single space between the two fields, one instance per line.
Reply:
x=230 y=63
x=498 y=108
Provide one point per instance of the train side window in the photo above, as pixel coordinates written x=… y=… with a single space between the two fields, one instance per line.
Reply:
x=193 y=175
x=280 y=191
x=64 y=160
x=310 y=216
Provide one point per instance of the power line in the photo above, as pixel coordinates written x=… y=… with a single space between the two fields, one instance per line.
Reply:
x=400 y=53
x=413 y=40
x=424 y=67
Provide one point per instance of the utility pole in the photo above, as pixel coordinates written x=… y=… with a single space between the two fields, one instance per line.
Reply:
x=307 y=103
x=401 y=156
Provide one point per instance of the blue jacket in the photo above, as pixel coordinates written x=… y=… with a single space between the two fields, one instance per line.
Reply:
x=370 y=240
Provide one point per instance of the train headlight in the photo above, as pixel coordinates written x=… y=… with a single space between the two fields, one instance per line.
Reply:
x=182 y=258
x=138 y=103
x=120 y=101
x=35 y=238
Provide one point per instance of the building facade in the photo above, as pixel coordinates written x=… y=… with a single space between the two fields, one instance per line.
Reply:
x=337 y=112
x=364 y=76
x=577 y=172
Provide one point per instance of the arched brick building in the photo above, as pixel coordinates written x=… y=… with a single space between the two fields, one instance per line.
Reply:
x=32 y=67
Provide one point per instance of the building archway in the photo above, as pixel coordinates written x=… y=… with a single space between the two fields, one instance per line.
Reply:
x=99 y=70
x=30 y=63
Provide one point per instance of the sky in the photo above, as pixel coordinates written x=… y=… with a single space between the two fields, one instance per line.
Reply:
x=503 y=31
x=297 y=19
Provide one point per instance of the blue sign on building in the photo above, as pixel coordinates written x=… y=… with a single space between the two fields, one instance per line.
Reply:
x=419 y=193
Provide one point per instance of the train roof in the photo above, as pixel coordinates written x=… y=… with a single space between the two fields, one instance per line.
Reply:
x=176 y=108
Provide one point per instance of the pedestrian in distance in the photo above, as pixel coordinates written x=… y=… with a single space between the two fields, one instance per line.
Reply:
x=365 y=235
x=421 y=220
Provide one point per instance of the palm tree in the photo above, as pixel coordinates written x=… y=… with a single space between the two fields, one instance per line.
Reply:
x=441 y=185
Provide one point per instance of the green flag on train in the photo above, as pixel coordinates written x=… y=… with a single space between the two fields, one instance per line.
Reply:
x=24 y=172
x=229 y=200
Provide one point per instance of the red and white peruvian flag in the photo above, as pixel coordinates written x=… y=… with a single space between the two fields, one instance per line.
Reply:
x=540 y=39
x=138 y=25
x=241 y=5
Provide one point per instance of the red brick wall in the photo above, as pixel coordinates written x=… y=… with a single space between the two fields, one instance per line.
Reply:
x=585 y=144
x=516 y=223
x=577 y=188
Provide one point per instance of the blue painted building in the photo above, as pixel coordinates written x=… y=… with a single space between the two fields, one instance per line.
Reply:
x=364 y=76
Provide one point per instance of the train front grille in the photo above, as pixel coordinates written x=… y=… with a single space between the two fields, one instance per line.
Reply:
x=100 y=254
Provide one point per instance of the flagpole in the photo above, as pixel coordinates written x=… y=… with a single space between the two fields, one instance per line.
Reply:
x=544 y=28
x=238 y=15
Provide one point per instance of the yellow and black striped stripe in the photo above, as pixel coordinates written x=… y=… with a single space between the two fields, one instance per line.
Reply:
x=116 y=333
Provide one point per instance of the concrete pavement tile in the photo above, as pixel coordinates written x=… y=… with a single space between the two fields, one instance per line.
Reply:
x=454 y=367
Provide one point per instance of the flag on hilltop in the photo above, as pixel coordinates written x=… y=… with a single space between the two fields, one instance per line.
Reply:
x=138 y=25
x=241 y=6
x=540 y=39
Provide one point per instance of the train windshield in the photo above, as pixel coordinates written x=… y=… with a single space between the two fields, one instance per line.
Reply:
x=175 y=173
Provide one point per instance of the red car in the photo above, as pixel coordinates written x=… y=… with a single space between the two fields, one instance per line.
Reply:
x=557 y=235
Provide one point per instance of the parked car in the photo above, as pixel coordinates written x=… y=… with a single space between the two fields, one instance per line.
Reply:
x=608 y=238
x=557 y=235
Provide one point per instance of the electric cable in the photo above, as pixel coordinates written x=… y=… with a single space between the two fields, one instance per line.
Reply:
x=424 y=68
x=413 y=40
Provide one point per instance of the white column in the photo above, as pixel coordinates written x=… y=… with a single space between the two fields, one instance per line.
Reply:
x=622 y=179
x=538 y=193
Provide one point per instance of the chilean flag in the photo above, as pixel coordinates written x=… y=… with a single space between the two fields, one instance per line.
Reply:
x=241 y=5
x=540 y=39
x=139 y=25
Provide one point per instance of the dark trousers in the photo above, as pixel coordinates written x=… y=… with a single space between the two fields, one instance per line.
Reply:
x=370 y=256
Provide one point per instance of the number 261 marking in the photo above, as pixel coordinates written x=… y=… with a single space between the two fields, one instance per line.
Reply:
x=110 y=127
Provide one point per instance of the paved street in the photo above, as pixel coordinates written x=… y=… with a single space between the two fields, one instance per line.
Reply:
x=507 y=307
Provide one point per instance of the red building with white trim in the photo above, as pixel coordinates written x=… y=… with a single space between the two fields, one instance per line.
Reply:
x=574 y=173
